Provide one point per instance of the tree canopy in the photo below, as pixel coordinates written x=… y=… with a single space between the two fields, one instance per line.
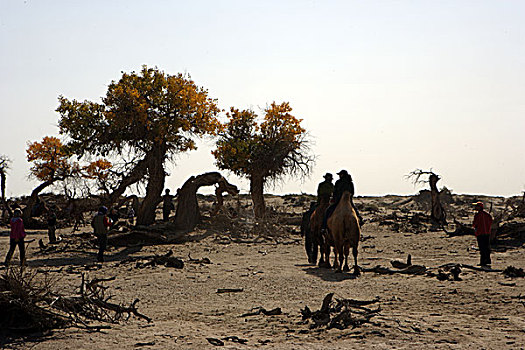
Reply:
x=261 y=151
x=144 y=119
x=50 y=160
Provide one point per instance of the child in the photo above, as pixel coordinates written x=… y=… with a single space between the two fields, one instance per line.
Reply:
x=16 y=238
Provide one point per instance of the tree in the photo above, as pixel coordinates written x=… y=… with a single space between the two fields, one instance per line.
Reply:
x=143 y=121
x=438 y=215
x=268 y=150
x=51 y=162
x=188 y=215
x=4 y=166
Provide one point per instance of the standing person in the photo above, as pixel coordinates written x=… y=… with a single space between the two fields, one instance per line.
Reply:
x=130 y=213
x=16 y=238
x=325 y=188
x=167 y=205
x=100 y=224
x=482 y=224
x=51 y=225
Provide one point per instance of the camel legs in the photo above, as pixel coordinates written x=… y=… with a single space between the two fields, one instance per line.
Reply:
x=357 y=270
x=326 y=253
x=346 y=252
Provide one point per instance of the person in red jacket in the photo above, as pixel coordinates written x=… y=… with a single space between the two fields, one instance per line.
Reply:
x=16 y=238
x=482 y=224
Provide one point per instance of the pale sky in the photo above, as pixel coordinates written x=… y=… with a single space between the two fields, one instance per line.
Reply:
x=383 y=87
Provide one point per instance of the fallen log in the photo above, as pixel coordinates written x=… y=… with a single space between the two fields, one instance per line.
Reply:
x=261 y=310
x=470 y=267
x=409 y=270
x=229 y=290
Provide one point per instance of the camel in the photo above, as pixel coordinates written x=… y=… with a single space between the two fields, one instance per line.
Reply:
x=343 y=226
x=319 y=240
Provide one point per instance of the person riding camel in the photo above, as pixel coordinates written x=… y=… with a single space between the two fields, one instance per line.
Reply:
x=344 y=183
x=325 y=188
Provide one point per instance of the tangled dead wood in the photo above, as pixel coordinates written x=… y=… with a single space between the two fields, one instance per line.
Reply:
x=29 y=304
x=341 y=313
x=167 y=260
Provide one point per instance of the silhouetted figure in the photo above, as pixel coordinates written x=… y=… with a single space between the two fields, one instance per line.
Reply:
x=325 y=188
x=344 y=183
x=167 y=205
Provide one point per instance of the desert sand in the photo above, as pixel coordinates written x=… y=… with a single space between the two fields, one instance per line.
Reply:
x=484 y=310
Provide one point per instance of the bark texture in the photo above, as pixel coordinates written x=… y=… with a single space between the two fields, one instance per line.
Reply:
x=187 y=215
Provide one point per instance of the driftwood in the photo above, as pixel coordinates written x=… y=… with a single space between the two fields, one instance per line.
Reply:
x=470 y=267
x=340 y=314
x=167 y=260
x=512 y=272
x=229 y=290
x=260 y=310
x=93 y=304
x=29 y=304
x=402 y=265
x=409 y=270
x=198 y=261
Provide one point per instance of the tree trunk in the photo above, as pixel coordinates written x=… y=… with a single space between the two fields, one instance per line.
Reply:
x=187 y=215
x=4 y=202
x=257 y=192
x=137 y=174
x=157 y=176
x=223 y=186
x=26 y=213
x=437 y=215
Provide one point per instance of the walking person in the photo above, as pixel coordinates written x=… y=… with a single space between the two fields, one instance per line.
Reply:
x=16 y=238
x=482 y=224
x=100 y=224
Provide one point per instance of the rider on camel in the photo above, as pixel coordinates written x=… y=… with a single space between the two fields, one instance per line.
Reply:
x=344 y=183
x=325 y=188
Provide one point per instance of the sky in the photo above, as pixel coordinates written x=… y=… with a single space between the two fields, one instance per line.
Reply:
x=383 y=87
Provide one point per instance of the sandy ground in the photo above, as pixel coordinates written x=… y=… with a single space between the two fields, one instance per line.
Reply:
x=483 y=311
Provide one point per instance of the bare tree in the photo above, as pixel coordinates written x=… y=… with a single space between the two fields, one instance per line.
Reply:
x=418 y=176
x=4 y=166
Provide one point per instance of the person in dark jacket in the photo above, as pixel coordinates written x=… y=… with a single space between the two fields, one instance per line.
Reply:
x=325 y=188
x=167 y=205
x=482 y=225
x=344 y=183
x=100 y=224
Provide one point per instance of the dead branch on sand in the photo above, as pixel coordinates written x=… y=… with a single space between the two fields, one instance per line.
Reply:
x=29 y=304
x=340 y=314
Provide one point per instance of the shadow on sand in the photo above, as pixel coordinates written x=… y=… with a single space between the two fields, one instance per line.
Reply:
x=84 y=258
x=328 y=274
